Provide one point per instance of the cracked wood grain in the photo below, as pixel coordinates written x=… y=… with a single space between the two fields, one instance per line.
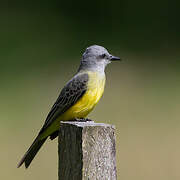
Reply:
x=87 y=151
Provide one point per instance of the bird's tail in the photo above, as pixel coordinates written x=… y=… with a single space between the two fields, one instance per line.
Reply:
x=31 y=153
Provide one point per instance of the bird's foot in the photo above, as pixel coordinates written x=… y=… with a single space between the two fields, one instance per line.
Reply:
x=83 y=119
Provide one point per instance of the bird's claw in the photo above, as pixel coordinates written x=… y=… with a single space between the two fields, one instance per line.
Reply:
x=82 y=119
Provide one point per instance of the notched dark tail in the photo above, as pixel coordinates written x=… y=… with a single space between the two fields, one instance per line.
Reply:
x=31 y=153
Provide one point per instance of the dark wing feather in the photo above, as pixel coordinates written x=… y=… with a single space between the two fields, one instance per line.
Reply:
x=69 y=95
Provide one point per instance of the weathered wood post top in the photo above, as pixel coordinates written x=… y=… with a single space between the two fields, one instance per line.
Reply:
x=87 y=151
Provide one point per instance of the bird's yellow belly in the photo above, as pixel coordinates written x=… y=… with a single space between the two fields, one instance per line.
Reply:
x=88 y=101
x=84 y=105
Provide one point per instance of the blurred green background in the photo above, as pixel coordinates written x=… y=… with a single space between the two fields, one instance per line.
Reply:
x=41 y=43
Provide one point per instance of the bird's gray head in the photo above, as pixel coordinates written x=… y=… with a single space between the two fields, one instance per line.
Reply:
x=96 y=58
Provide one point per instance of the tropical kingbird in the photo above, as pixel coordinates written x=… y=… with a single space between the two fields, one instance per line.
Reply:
x=77 y=99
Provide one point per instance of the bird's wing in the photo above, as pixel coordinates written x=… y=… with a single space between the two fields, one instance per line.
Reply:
x=69 y=95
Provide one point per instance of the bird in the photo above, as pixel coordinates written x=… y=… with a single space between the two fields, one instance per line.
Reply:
x=77 y=99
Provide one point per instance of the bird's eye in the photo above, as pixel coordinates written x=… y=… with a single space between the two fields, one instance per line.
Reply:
x=103 y=55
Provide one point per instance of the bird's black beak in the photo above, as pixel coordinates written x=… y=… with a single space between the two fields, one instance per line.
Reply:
x=114 y=58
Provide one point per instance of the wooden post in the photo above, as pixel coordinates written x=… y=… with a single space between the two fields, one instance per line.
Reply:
x=87 y=151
